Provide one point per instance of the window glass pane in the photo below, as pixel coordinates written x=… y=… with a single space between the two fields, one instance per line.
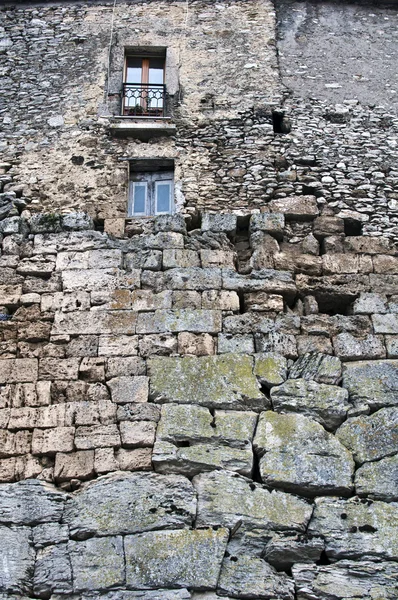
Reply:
x=156 y=67
x=139 y=198
x=163 y=193
x=134 y=70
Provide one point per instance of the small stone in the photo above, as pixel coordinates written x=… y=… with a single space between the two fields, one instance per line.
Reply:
x=318 y=367
x=270 y=368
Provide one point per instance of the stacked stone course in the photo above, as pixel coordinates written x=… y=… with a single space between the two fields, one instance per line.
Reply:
x=263 y=417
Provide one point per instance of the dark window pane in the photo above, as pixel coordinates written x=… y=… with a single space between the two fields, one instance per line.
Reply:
x=156 y=68
x=134 y=70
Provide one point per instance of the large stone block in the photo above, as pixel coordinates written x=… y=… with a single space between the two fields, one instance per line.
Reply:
x=265 y=280
x=144 y=259
x=272 y=223
x=18 y=370
x=298 y=455
x=95 y=322
x=372 y=384
x=347 y=347
x=270 y=368
x=50 y=441
x=128 y=389
x=180 y=558
x=91 y=259
x=295 y=207
x=53 y=573
x=30 y=502
x=139 y=502
x=55 y=368
x=173 y=321
x=97 y=436
x=225 y=223
x=224 y=499
x=17 y=560
x=385 y=323
x=193 y=278
x=224 y=381
x=97 y=564
x=371 y=437
x=366 y=580
x=352 y=529
x=379 y=479
x=99 y=279
x=326 y=404
x=317 y=367
x=180 y=259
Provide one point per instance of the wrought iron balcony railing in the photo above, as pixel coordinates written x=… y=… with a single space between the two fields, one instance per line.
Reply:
x=144 y=100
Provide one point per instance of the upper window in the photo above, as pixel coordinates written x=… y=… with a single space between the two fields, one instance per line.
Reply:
x=144 y=91
x=151 y=191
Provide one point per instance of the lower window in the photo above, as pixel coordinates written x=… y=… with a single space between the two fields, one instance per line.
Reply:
x=151 y=192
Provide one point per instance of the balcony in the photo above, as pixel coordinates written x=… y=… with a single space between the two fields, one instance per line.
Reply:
x=144 y=112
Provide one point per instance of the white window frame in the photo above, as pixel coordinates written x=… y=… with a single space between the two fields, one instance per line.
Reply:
x=151 y=179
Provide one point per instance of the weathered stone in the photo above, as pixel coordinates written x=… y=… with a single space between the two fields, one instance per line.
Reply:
x=30 y=502
x=276 y=342
x=378 y=479
x=138 y=434
x=95 y=322
x=18 y=370
x=53 y=573
x=79 y=465
x=90 y=259
x=217 y=258
x=371 y=384
x=159 y=345
x=385 y=323
x=219 y=222
x=146 y=300
x=77 y=221
x=193 y=278
x=366 y=580
x=272 y=223
x=138 y=412
x=97 y=436
x=265 y=280
x=325 y=226
x=270 y=368
x=317 y=367
x=346 y=263
x=369 y=303
x=225 y=381
x=228 y=343
x=170 y=223
x=352 y=529
x=97 y=563
x=190 y=299
x=262 y=302
x=128 y=389
x=139 y=459
x=371 y=437
x=144 y=259
x=180 y=558
x=196 y=344
x=298 y=455
x=220 y=300
x=123 y=366
x=117 y=345
x=140 y=502
x=295 y=207
x=326 y=404
x=18 y=560
x=224 y=499
x=48 y=534
x=284 y=550
x=168 y=321
x=348 y=347
x=50 y=441
x=391 y=345
x=180 y=259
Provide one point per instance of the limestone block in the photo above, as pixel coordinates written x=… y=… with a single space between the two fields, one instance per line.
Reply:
x=78 y=465
x=217 y=258
x=53 y=573
x=240 y=343
x=193 y=278
x=18 y=370
x=128 y=389
x=378 y=479
x=37 y=266
x=97 y=436
x=325 y=226
x=223 y=499
x=139 y=459
x=55 y=368
x=10 y=295
x=140 y=502
x=270 y=368
x=220 y=300
x=77 y=221
x=160 y=241
x=276 y=342
x=30 y=502
x=346 y=263
x=8 y=470
x=137 y=434
x=272 y=223
x=348 y=347
x=180 y=558
x=332 y=286
x=262 y=302
x=180 y=259
x=391 y=345
x=284 y=550
x=368 y=528
x=265 y=280
x=47 y=534
x=385 y=323
x=138 y=412
x=191 y=460
x=225 y=381
x=95 y=322
x=297 y=208
x=189 y=299
x=169 y=321
x=104 y=460
x=371 y=437
x=144 y=259
x=174 y=222
x=385 y=264
x=159 y=345
x=196 y=344
x=383 y=284
x=18 y=559
x=12 y=444
x=50 y=441
x=317 y=367
x=97 y=564
x=83 y=345
x=91 y=259
x=120 y=366
x=251 y=577
x=364 y=244
x=118 y=299
x=298 y=455
x=225 y=223
x=372 y=384
x=118 y=345
x=146 y=300
x=98 y=279
x=326 y=404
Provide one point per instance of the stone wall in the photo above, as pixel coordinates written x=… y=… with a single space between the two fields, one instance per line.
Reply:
x=229 y=390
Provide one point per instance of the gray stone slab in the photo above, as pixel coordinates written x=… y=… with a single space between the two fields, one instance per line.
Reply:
x=30 y=502
x=174 y=321
x=372 y=384
x=17 y=559
x=182 y=558
x=318 y=367
x=378 y=479
x=97 y=563
x=131 y=503
x=224 y=381
x=53 y=572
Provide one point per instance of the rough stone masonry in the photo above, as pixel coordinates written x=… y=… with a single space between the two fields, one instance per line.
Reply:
x=199 y=405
